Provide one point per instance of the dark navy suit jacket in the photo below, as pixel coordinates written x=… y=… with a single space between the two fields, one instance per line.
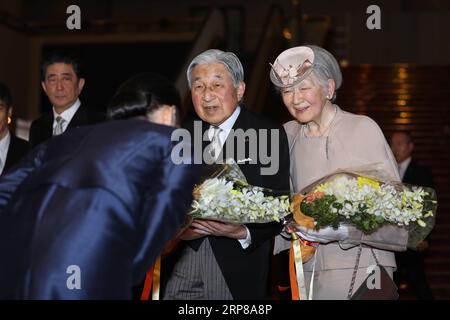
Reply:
x=42 y=128
x=104 y=198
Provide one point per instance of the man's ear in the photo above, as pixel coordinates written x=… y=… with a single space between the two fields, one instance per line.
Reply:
x=240 y=90
x=80 y=85
x=43 y=86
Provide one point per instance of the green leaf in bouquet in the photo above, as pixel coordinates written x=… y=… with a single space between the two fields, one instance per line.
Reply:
x=321 y=210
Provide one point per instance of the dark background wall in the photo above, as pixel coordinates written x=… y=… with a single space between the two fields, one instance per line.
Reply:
x=412 y=31
x=106 y=66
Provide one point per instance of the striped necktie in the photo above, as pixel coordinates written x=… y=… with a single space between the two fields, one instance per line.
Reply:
x=59 y=126
x=215 y=145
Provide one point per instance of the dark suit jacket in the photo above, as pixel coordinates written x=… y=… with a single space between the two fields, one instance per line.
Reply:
x=105 y=198
x=419 y=175
x=18 y=148
x=246 y=271
x=42 y=128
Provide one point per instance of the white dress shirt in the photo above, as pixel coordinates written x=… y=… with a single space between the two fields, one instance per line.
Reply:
x=402 y=166
x=4 y=147
x=67 y=115
x=226 y=127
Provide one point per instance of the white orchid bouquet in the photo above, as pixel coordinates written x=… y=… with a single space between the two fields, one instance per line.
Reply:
x=367 y=203
x=226 y=196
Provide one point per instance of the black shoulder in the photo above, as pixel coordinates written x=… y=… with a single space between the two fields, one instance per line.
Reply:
x=21 y=143
x=93 y=114
x=18 y=148
x=44 y=118
x=419 y=166
x=97 y=116
x=258 y=121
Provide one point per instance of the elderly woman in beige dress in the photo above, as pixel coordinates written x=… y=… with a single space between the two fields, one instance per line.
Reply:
x=322 y=139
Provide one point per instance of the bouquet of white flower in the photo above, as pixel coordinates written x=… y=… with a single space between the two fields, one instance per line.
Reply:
x=226 y=196
x=367 y=203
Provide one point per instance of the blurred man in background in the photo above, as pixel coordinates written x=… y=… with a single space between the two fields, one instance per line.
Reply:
x=411 y=262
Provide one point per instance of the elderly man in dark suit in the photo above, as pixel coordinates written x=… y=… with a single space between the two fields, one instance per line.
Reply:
x=62 y=80
x=411 y=262
x=222 y=260
x=87 y=213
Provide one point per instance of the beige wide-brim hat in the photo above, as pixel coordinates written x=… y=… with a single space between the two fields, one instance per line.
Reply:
x=294 y=65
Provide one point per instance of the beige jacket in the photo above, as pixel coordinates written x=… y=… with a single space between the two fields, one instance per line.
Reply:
x=353 y=141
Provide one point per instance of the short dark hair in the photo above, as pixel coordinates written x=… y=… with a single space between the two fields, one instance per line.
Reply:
x=5 y=95
x=128 y=104
x=141 y=95
x=66 y=57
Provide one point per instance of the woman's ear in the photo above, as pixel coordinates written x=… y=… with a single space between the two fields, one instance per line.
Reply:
x=331 y=88
x=170 y=115
x=165 y=115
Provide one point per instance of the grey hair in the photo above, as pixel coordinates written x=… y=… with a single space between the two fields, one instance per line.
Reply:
x=326 y=68
x=321 y=79
x=228 y=59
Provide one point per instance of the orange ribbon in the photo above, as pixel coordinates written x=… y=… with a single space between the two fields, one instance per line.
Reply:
x=152 y=280
x=292 y=274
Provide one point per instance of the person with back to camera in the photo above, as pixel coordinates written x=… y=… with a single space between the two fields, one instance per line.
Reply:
x=86 y=213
